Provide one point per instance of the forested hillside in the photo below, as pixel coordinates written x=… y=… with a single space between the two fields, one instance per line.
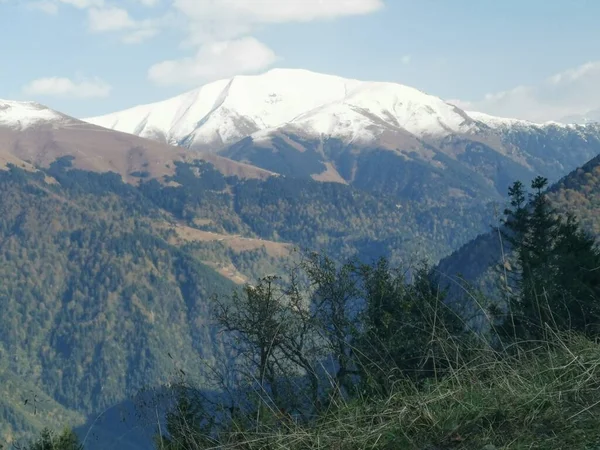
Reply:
x=580 y=192
x=106 y=284
x=341 y=220
x=92 y=295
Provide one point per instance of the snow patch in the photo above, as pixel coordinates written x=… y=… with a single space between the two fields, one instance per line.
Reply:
x=505 y=122
x=23 y=115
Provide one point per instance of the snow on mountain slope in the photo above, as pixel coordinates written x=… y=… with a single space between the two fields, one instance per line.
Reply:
x=499 y=122
x=373 y=108
x=225 y=111
x=34 y=135
x=505 y=122
x=21 y=115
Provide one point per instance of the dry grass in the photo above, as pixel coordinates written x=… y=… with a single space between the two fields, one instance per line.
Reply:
x=235 y=242
x=547 y=397
x=101 y=150
x=329 y=175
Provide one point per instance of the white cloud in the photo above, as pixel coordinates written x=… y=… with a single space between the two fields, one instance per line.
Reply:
x=46 y=6
x=65 y=87
x=104 y=17
x=140 y=35
x=213 y=61
x=52 y=6
x=82 y=4
x=210 y=20
x=113 y=19
x=149 y=3
x=573 y=92
x=269 y=11
x=218 y=31
x=109 y=19
x=222 y=19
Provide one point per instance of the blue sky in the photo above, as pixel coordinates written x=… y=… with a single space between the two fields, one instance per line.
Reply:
x=533 y=59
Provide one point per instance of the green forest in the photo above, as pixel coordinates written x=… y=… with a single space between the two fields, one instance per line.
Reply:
x=100 y=296
x=329 y=351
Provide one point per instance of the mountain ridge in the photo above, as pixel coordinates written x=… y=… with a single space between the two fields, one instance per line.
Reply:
x=328 y=128
x=283 y=96
x=33 y=135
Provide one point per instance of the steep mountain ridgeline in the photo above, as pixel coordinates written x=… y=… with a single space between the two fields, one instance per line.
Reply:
x=380 y=137
x=474 y=168
x=32 y=135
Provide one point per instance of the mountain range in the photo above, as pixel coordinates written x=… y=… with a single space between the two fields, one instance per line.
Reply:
x=223 y=112
x=36 y=135
x=115 y=231
x=376 y=136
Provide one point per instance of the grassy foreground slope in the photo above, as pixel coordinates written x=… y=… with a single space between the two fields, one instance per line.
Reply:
x=547 y=398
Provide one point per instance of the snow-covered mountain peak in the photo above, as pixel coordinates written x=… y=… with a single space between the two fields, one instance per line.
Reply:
x=22 y=115
x=225 y=111
x=371 y=109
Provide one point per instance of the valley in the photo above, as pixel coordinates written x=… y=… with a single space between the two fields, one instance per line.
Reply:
x=116 y=232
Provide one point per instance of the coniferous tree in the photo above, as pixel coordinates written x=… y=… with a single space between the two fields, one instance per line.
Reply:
x=559 y=283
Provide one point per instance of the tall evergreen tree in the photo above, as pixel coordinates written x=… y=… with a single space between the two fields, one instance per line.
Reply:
x=558 y=280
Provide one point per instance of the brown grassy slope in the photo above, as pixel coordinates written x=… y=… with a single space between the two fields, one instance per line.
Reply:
x=102 y=150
